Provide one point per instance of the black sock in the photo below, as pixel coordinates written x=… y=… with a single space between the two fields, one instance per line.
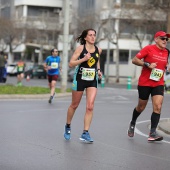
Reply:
x=154 y=121
x=135 y=115
x=67 y=125
x=84 y=131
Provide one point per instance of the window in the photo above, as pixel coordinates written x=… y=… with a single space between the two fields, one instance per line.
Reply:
x=104 y=53
x=126 y=26
x=5 y=2
x=133 y=53
x=17 y=56
x=131 y=26
x=123 y=56
x=5 y=12
x=35 y=11
x=86 y=7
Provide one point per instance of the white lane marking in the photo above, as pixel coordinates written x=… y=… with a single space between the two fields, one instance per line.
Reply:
x=142 y=134
x=116 y=98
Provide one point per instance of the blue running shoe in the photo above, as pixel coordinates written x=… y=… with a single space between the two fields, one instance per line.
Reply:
x=67 y=134
x=85 y=137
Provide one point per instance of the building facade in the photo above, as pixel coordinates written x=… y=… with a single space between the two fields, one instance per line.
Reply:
x=123 y=28
x=38 y=23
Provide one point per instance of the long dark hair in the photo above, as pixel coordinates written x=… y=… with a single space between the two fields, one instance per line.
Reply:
x=83 y=35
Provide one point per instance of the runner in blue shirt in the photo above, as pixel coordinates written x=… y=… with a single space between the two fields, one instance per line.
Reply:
x=52 y=66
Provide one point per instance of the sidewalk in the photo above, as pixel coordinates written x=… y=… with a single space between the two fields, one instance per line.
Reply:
x=31 y=96
x=164 y=125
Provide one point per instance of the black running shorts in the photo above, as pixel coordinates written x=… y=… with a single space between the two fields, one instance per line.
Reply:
x=145 y=91
x=20 y=72
x=82 y=84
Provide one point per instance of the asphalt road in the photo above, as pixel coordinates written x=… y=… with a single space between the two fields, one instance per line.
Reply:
x=31 y=135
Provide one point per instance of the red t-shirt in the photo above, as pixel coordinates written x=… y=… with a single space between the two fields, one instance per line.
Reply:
x=152 y=54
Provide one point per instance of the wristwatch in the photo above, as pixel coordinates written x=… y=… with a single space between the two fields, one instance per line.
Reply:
x=146 y=64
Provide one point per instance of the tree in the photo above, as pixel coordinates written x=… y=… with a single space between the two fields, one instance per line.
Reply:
x=145 y=19
x=142 y=21
x=10 y=36
x=41 y=34
x=162 y=5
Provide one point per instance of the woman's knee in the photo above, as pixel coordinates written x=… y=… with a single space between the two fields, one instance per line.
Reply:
x=74 y=106
x=90 y=107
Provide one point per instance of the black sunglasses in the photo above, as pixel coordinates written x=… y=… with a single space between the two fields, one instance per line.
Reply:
x=163 y=38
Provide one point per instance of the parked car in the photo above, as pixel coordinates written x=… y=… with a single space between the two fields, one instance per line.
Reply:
x=36 y=71
x=12 y=69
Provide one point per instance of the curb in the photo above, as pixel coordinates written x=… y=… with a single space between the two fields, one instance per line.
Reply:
x=164 y=126
x=32 y=96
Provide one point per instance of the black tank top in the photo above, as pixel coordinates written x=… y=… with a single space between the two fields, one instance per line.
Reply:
x=91 y=63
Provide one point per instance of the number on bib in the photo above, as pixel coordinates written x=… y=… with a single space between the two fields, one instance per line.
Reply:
x=88 y=74
x=156 y=74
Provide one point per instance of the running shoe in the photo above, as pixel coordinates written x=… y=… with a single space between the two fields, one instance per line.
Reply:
x=85 y=137
x=131 y=130
x=154 y=137
x=53 y=95
x=19 y=84
x=50 y=99
x=67 y=134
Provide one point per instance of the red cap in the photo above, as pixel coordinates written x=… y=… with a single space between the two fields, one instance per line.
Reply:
x=161 y=34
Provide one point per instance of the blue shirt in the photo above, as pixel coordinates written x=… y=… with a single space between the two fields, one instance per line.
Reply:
x=54 y=62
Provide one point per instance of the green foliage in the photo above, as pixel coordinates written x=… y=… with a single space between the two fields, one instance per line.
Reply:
x=11 y=89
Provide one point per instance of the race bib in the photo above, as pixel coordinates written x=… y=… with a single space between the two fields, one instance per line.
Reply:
x=88 y=74
x=156 y=74
x=20 y=69
x=54 y=65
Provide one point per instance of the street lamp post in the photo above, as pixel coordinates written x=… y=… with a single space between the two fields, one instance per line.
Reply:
x=107 y=61
x=66 y=7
